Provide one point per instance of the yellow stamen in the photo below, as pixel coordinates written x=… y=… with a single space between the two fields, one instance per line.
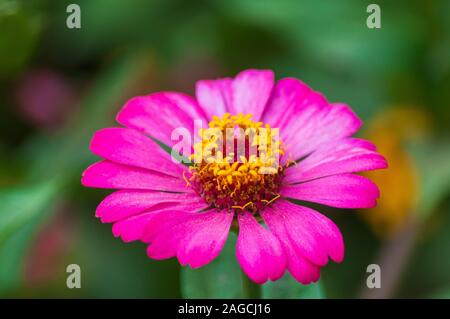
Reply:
x=229 y=179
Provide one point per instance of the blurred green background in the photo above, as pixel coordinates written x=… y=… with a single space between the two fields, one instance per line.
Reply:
x=59 y=85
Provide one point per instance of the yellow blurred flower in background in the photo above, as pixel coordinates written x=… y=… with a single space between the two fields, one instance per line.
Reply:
x=391 y=131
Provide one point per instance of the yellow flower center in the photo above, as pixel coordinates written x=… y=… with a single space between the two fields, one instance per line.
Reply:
x=236 y=163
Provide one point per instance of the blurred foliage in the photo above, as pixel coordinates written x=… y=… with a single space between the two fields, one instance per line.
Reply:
x=433 y=158
x=219 y=279
x=222 y=279
x=427 y=274
x=21 y=209
x=288 y=288
x=18 y=39
x=142 y=46
x=399 y=183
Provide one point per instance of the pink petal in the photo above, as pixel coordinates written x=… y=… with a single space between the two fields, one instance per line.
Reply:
x=135 y=217
x=214 y=96
x=188 y=104
x=195 y=238
x=251 y=89
x=326 y=234
x=106 y=174
x=307 y=119
x=304 y=230
x=132 y=228
x=258 y=251
x=159 y=114
x=286 y=101
x=129 y=147
x=165 y=222
x=307 y=237
x=343 y=191
x=303 y=270
x=126 y=203
x=343 y=156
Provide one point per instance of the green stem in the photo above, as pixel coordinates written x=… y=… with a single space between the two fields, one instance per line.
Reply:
x=251 y=290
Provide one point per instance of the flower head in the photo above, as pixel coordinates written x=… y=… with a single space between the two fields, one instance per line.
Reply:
x=265 y=144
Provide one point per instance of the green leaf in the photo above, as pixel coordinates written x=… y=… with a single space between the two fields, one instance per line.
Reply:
x=19 y=206
x=113 y=269
x=219 y=279
x=434 y=166
x=19 y=31
x=21 y=211
x=442 y=294
x=427 y=273
x=223 y=279
x=288 y=288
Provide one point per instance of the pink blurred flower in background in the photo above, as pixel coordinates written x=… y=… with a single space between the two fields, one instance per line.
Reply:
x=45 y=98
x=46 y=258
x=187 y=212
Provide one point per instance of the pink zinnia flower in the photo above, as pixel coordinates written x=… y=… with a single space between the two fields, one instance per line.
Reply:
x=187 y=212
